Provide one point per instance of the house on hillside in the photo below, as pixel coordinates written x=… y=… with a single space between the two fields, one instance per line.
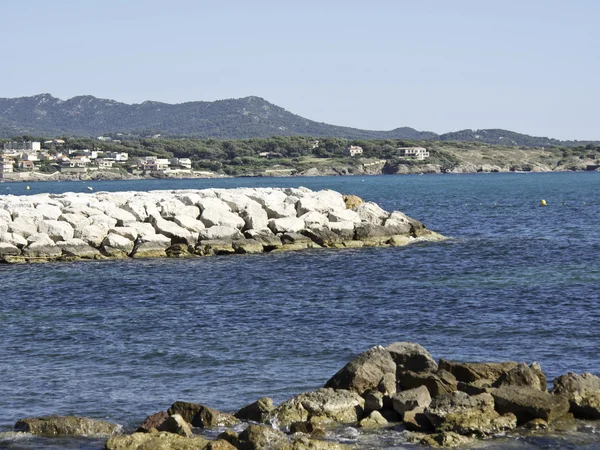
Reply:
x=185 y=163
x=26 y=165
x=23 y=146
x=6 y=166
x=353 y=150
x=73 y=166
x=419 y=153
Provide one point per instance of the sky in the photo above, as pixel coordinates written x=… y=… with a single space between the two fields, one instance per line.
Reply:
x=529 y=66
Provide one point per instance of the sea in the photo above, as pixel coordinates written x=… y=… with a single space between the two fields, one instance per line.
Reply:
x=119 y=340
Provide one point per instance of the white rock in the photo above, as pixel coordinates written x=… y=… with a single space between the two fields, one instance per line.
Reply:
x=221 y=217
x=49 y=211
x=42 y=249
x=396 y=218
x=103 y=221
x=127 y=232
x=141 y=228
x=26 y=212
x=77 y=221
x=274 y=203
x=24 y=226
x=92 y=234
x=212 y=204
x=372 y=213
x=40 y=238
x=220 y=232
x=13 y=239
x=116 y=242
x=344 y=215
x=7 y=249
x=314 y=219
x=287 y=225
x=341 y=226
x=171 y=207
x=173 y=231
x=254 y=216
x=188 y=198
x=189 y=223
x=5 y=215
x=82 y=210
x=323 y=201
x=137 y=208
x=56 y=229
x=77 y=248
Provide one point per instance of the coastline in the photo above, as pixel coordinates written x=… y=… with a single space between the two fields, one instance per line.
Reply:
x=365 y=170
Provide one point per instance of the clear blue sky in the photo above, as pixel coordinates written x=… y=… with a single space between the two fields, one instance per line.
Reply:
x=530 y=66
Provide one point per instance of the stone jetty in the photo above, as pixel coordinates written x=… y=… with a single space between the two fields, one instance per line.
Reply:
x=397 y=389
x=187 y=223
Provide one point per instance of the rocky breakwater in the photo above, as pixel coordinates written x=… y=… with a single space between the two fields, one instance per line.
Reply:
x=71 y=226
x=399 y=392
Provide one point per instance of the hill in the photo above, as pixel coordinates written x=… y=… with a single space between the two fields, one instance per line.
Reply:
x=87 y=116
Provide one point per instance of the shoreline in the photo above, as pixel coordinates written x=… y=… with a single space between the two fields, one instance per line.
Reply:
x=396 y=394
x=25 y=177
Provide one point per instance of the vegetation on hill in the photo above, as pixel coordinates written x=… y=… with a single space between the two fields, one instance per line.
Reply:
x=244 y=118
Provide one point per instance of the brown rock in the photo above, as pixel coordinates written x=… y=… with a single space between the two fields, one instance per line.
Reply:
x=411 y=399
x=471 y=372
x=522 y=375
x=528 y=404
x=364 y=372
x=65 y=426
x=262 y=437
x=153 y=421
x=582 y=392
x=411 y=356
x=352 y=201
x=161 y=441
x=436 y=385
x=202 y=416
x=176 y=425
x=259 y=411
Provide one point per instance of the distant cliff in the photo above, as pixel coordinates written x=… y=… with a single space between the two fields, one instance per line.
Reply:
x=45 y=115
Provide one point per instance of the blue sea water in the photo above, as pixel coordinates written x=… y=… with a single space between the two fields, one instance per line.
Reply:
x=119 y=340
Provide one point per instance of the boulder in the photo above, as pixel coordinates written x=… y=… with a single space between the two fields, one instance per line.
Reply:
x=528 y=404
x=164 y=441
x=23 y=226
x=463 y=414
x=411 y=399
x=373 y=420
x=247 y=246
x=14 y=239
x=482 y=373
x=376 y=235
x=582 y=392
x=296 y=241
x=314 y=219
x=287 y=225
x=352 y=201
x=411 y=356
x=65 y=426
x=261 y=437
x=179 y=251
x=254 y=216
x=77 y=221
x=215 y=218
x=7 y=249
x=202 y=416
x=210 y=247
x=169 y=208
x=274 y=203
x=151 y=246
x=127 y=232
x=436 y=383
x=322 y=202
x=116 y=246
x=103 y=221
x=265 y=237
x=176 y=425
x=189 y=223
x=322 y=405
x=177 y=234
x=371 y=213
x=445 y=439
x=49 y=212
x=77 y=248
x=153 y=421
x=344 y=215
x=92 y=234
x=259 y=411
x=522 y=375
x=220 y=232
x=304 y=443
x=137 y=209
x=324 y=237
x=364 y=372
x=44 y=248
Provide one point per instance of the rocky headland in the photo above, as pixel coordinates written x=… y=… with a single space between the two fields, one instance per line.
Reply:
x=189 y=223
x=399 y=388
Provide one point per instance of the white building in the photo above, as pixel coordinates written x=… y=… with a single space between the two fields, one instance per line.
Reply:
x=23 y=146
x=118 y=156
x=353 y=150
x=419 y=153
x=186 y=163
